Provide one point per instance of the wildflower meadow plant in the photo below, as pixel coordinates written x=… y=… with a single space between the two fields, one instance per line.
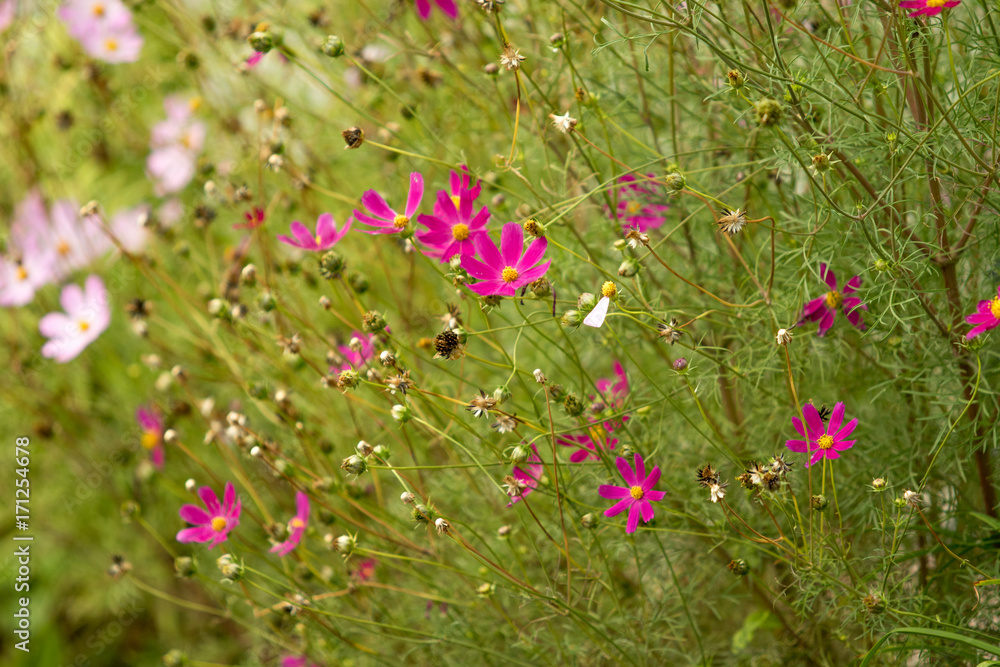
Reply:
x=502 y=332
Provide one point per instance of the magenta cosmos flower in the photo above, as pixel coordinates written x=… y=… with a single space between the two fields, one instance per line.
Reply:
x=637 y=203
x=384 y=219
x=506 y=270
x=822 y=440
x=636 y=496
x=928 y=7
x=986 y=317
x=452 y=228
x=152 y=434
x=824 y=308
x=326 y=234
x=460 y=182
x=527 y=477
x=297 y=661
x=214 y=525
x=87 y=316
x=587 y=444
x=355 y=358
x=296 y=526
x=447 y=6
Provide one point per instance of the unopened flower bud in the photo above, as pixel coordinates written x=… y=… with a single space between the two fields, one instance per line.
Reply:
x=184 y=566
x=421 y=513
x=557 y=39
x=266 y=302
x=333 y=46
x=442 y=526
x=387 y=358
x=680 y=364
x=540 y=376
x=736 y=79
x=629 y=267
x=331 y=265
x=503 y=532
x=819 y=502
x=768 y=112
x=353 y=137
x=348 y=378
x=402 y=413
x=354 y=465
x=324 y=302
x=519 y=454
x=255 y=452
x=364 y=449
x=407 y=497
x=261 y=42
x=373 y=322
x=739 y=567
x=572 y=318
x=381 y=451
x=190 y=485
x=249 y=275
x=675 y=182
x=874 y=604
x=231 y=569
x=501 y=394
x=540 y=287
x=170 y=436
x=345 y=544
x=589 y=520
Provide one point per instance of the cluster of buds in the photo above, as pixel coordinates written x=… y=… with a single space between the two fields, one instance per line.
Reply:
x=231 y=569
x=708 y=478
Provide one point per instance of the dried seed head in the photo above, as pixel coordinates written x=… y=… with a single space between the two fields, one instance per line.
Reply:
x=447 y=345
x=707 y=475
x=732 y=222
x=353 y=137
x=441 y=526
x=564 y=123
x=783 y=337
x=511 y=58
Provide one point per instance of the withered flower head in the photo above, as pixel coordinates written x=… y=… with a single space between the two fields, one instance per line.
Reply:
x=448 y=346
x=481 y=405
x=504 y=423
x=139 y=308
x=353 y=137
x=636 y=238
x=400 y=382
x=718 y=491
x=756 y=472
x=707 y=475
x=511 y=58
x=670 y=332
x=290 y=345
x=732 y=222
x=745 y=481
x=515 y=486
x=564 y=123
x=770 y=481
x=779 y=466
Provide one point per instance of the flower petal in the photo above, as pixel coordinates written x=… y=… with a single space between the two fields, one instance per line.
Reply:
x=813 y=423
x=647 y=511
x=613 y=492
x=211 y=500
x=633 y=518
x=374 y=202
x=653 y=478
x=415 y=195
x=796 y=446
x=626 y=471
x=596 y=316
x=511 y=243
x=828 y=276
x=836 y=419
x=195 y=515
x=619 y=507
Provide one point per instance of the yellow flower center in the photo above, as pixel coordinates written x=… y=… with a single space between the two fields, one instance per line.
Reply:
x=98 y=10
x=400 y=221
x=995 y=307
x=84 y=325
x=636 y=492
x=935 y=3
x=825 y=441
x=194 y=103
x=633 y=207
x=509 y=274
x=219 y=524
x=460 y=232
x=150 y=439
x=456 y=200
x=609 y=289
x=295 y=523
x=111 y=45
x=62 y=248
x=319 y=240
x=21 y=273
x=186 y=141
x=834 y=299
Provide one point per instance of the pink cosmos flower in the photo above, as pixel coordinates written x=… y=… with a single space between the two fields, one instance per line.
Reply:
x=212 y=526
x=87 y=316
x=928 y=7
x=366 y=569
x=176 y=143
x=326 y=234
x=460 y=182
x=452 y=229
x=254 y=218
x=823 y=440
x=129 y=228
x=152 y=434
x=637 y=205
x=614 y=393
x=824 y=308
x=104 y=29
x=354 y=359
x=77 y=241
x=296 y=526
x=503 y=271
x=19 y=279
x=385 y=219
x=587 y=444
x=447 y=6
x=297 y=661
x=636 y=496
x=6 y=14
x=528 y=476
x=986 y=317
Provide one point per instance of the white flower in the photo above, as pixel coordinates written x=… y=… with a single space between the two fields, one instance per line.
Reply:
x=564 y=123
x=783 y=337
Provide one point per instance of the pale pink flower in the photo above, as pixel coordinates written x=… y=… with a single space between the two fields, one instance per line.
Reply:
x=176 y=143
x=87 y=314
x=152 y=433
x=20 y=278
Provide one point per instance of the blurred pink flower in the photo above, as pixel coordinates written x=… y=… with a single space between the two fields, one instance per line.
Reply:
x=104 y=29
x=637 y=203
x=366 y=569
x=21 y=277
x=297 y=661
x=86 y=316
x=822 y=440
x=384 y=219
x=447 y=6
x=354 y=359
x=527 y=477
x=636 y=496
x=296 y=526
x=326 y=236
x=986 y=317
x=503 y=271
x=823 y=309
x=152 y=433
x=452 y=228
x=6 y=14
x=129 y=228
x=214 y=525
x=176 y=143
x=587 y=444
x=928 y=7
